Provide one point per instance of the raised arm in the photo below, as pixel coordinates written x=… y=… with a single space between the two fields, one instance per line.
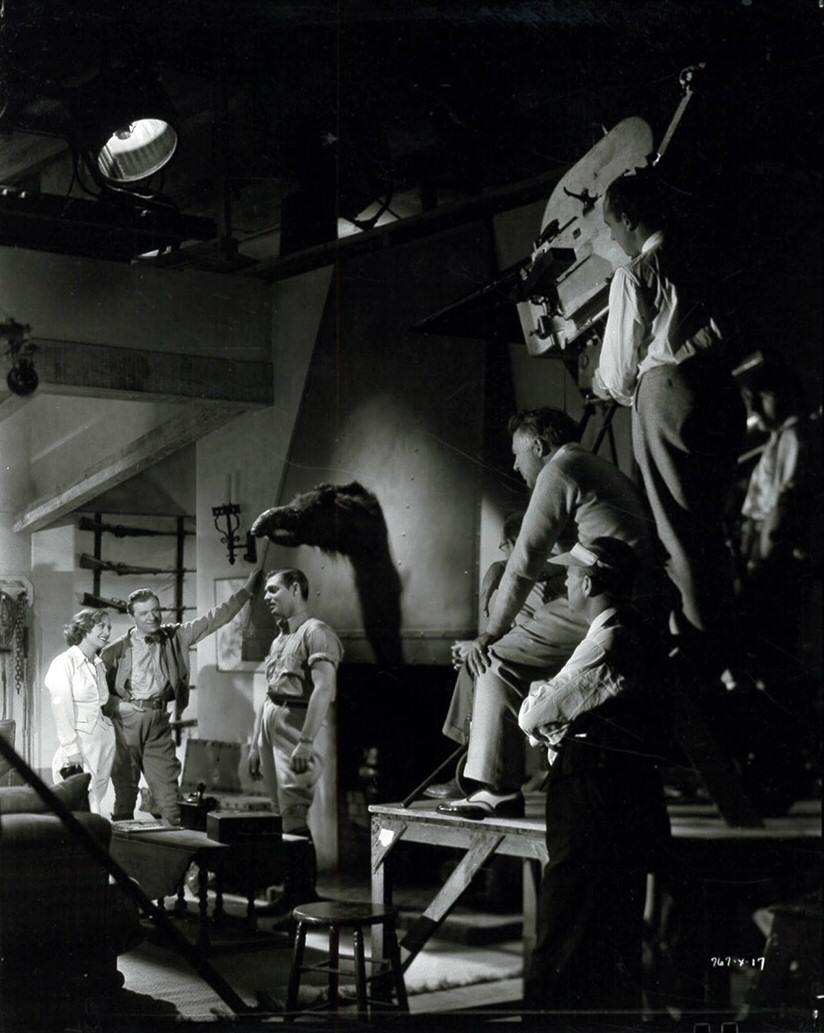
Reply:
x=191 y=632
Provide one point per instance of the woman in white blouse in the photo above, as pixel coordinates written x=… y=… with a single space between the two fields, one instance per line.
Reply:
x=76 y=680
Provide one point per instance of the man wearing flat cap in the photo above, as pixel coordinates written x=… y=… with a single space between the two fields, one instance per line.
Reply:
x=605 y=815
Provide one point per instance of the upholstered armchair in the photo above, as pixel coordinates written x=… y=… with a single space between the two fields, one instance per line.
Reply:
x=62 y=924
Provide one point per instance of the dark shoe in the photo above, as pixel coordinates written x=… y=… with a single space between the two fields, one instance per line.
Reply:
x=486 y=804
x=443 y=790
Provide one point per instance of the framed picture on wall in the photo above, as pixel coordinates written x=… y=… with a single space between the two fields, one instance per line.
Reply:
x=229 y=638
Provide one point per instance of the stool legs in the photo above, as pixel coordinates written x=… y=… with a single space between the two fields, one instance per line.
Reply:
x=389 y=975
x=360 y=975
x=334 y=966
x=294 y=975
x=393 y=954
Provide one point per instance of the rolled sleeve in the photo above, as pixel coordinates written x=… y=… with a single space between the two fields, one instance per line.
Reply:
x=315 y=658
x=586 y=682
x=323 y=644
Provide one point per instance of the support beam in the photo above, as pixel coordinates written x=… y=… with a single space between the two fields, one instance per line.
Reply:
x=10 y=404
x=102 y=371
x=193 y=422
x=439 y=220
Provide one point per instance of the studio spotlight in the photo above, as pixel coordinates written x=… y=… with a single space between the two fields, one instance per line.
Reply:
x=22 y=378
x=123 y=126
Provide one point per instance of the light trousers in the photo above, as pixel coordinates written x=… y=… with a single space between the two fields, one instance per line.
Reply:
x=291 y=794
x=687 y=426
x=534 y=650
x=97 y=746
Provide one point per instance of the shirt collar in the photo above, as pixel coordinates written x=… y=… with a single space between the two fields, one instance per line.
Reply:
x=145 y=640
x=601 y=620
x=653 y=240
x=294 y=622
x=78 y=654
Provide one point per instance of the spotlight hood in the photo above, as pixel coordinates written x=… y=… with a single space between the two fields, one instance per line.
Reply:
x=123 y=124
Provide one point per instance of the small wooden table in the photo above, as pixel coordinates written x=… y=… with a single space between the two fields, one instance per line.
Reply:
x=422 y=823
x=158 y=861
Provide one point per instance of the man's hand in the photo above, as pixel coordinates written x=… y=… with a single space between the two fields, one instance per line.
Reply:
x=253 y=581
x=302 y=757
x=254 y=762
x=460 y=651
x=599 y=388
x=477 y=656
x=74 y=758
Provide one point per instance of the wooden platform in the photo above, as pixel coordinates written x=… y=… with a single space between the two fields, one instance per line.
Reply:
x=526 y=838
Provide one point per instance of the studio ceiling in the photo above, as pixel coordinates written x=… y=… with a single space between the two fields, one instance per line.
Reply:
x=294 y=115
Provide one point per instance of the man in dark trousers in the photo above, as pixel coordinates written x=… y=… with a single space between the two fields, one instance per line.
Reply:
x=605 y=816
x=663 y=354
x=147 y=669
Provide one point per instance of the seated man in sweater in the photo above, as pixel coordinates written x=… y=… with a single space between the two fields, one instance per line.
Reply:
x=549 y=585
x=575 y=495
x=605 y=816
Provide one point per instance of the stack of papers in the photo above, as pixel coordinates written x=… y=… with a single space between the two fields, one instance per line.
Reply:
x=152 y=825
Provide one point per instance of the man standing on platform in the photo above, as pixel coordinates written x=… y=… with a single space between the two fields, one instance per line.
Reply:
x=664 y=355
x=606 y=820
x=575 y=494
x=301 y=677
x=146 y=669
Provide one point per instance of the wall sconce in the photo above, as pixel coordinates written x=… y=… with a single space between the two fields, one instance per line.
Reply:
x=229 y=513
x=22 y=378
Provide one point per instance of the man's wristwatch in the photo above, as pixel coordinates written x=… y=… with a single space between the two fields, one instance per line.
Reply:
x=305 y=741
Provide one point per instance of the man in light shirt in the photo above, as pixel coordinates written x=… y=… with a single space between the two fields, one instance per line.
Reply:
x=663 y=354
x=289 y=740
x=147 y=669
x=605 y=817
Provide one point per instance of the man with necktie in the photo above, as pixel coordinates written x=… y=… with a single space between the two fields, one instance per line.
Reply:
x=146 y=669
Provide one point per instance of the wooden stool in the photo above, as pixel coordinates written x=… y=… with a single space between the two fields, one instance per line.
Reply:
x=336 y=915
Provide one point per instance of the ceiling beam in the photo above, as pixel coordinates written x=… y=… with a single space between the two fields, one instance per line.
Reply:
x=192 y=423
x=102 y=371
x=402 y=231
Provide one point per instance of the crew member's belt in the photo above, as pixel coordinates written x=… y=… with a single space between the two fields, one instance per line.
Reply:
x=282 y=699
x=152 y=703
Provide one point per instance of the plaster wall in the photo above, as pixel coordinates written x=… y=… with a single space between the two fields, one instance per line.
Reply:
x=134 y=306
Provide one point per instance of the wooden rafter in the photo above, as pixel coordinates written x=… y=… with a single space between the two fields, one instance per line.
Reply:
x=103 y=371
x=193 y=422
